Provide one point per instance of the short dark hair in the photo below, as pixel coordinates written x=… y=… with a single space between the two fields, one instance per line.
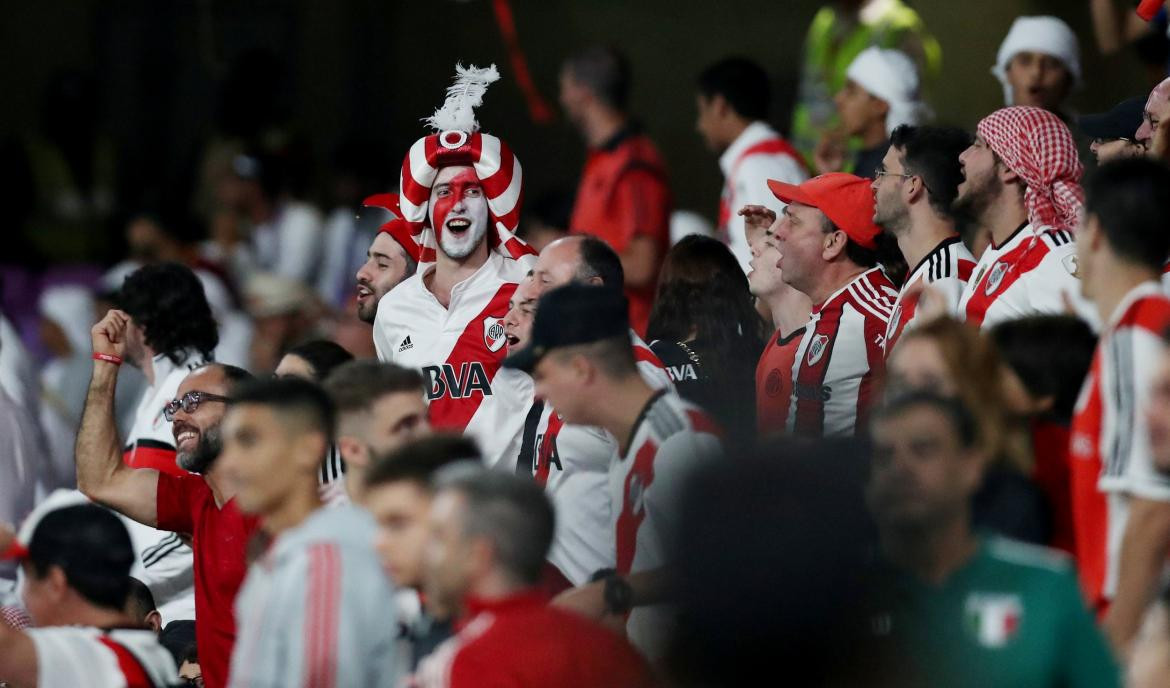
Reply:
x=933 y=154
x=140 y=601
x=419 y=460
x=743 y=83
x=290 y=395
x=91 y=547
x=356 y=385
x=168 y=302
x=598 y=259
x=1051 y=354
x=511 y=511
x=605 y=71
x=1126 y=197
x=614 y=356
x=322 y=356
x=961 y=420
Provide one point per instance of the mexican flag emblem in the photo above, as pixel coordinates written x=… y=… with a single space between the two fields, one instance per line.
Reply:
x=993 y=618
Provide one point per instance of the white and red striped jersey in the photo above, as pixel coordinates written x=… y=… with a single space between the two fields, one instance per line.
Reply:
x=459 y=350
x=72 y=656
x=840 y=360
x=669 y=440
x=757 y=155
x=572 y=462
x=946 y=270
x=1110 y=450
x=1029 y=274
x=317 y=609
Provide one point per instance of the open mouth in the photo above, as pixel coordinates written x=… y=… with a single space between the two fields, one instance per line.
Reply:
x=458 y=225
x=186 y=435
x=512 y=339
x=364 y=292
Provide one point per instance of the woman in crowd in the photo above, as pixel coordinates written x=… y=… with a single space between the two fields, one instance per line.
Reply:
x=706 y=329
x=953 y=359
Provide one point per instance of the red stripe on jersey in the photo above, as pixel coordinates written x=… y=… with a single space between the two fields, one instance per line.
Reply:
x=1090 y=509
x=128 y=664
x=1017 y=262
x=320 y=631
x=701 y=422
x=903 y=314
x=454 y=413
x=966 y=269
x=765 y=147
x=1150 y=313
x=645 y=355
x=810 y=378
x=633 y=512
x=548 y=447
x=152 y=454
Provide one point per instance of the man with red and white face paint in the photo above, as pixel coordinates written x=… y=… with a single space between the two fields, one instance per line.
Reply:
x=460 y=202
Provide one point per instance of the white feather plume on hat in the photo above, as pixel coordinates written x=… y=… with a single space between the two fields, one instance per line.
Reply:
x=463 y=96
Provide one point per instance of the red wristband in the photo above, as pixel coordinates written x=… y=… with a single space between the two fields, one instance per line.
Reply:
x=108 y=358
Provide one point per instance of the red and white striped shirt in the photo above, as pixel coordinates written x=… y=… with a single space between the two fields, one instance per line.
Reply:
x=459 y=350
x=840 y=360
x=946 y=270
x=72 y=656
x=572 y=462
x=669 y=440
x=1109 y=445
x=1029 y=274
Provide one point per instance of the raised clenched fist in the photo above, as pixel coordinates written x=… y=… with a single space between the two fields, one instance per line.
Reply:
x=109 y=335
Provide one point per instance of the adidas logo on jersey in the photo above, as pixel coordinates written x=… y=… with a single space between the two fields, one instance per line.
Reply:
x=406 y=344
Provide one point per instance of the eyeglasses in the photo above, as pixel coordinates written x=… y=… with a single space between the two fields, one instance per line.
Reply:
x=882 y=172
x=189 y=403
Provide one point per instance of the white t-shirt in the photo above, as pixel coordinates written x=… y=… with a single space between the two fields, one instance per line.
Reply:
x=74 y=656
x=291 y=244
x=459 y=350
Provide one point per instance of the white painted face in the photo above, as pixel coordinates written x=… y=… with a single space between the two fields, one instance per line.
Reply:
x=458 y=211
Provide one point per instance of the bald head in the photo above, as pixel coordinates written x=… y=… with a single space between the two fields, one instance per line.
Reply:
x=582 y=259
x=1157 y=109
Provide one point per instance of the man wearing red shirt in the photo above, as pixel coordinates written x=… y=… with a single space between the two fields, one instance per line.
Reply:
x=196 y=505
x=489 y=534
x=623 y=196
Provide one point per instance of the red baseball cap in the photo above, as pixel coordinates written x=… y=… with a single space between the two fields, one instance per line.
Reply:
x=846 y=199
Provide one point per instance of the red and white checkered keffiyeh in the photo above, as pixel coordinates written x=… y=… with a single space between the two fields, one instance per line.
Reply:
x=1037 y=146
x=495 y=166
x=15 y=617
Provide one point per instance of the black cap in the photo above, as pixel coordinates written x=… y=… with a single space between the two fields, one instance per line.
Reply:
x=1121 y=122
x=570 y=315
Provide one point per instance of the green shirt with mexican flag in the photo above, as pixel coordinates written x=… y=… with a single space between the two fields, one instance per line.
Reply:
x=1012 y=616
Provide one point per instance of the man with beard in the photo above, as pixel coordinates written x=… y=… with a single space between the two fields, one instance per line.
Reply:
x=913 y=191
x=461 y=192
x=195 y=504
x=166 y=329
x=1021 y=186
x=387 y=261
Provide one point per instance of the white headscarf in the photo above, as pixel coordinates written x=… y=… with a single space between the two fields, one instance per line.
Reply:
x=1047 y=35
x=72 y=308
x=891 y=76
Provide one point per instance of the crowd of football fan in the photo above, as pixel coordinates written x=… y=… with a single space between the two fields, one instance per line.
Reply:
x=901 y=418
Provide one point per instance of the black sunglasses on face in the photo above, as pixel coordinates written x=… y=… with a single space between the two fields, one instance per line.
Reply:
x=189 y=403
